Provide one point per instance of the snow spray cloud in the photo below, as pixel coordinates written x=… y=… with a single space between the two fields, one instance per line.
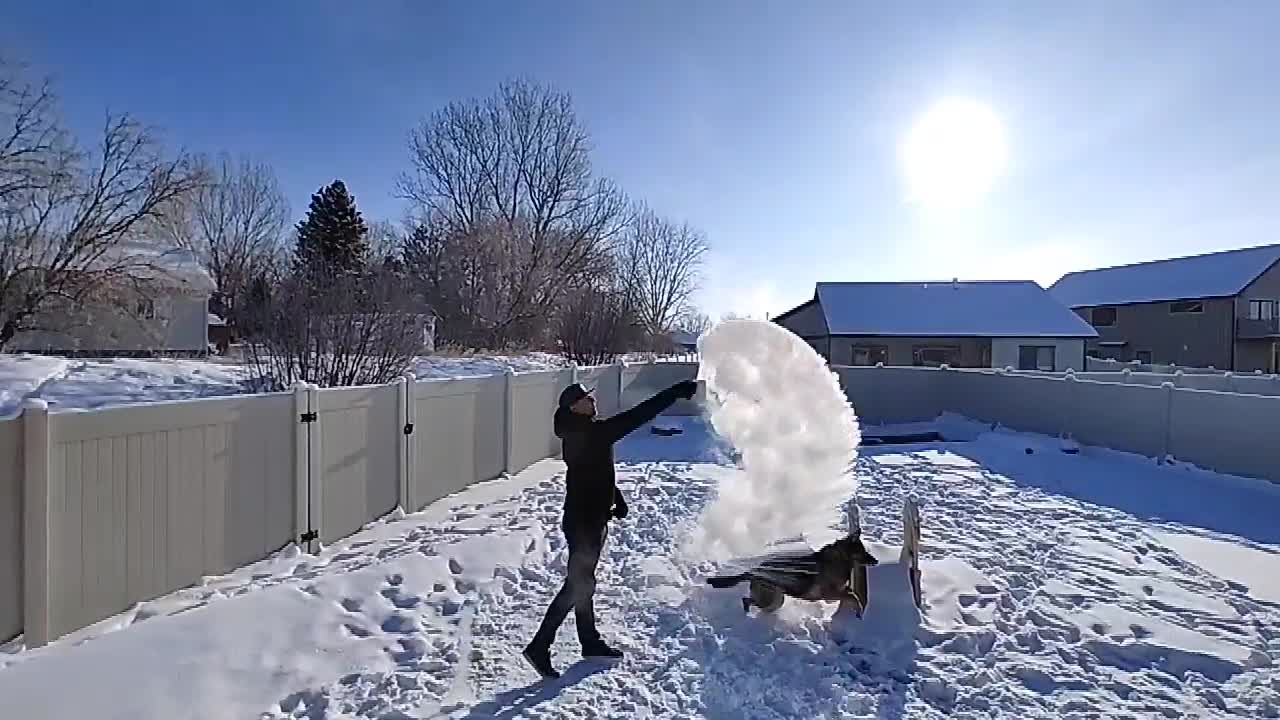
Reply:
x=774 y=398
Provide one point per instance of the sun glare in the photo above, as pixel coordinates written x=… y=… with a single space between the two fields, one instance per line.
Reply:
x=953 y=155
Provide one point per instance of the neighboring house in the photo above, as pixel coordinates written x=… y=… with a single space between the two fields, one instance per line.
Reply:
x=170 y=317
x=1217 y=310
x=683 y=342
x=961 y=324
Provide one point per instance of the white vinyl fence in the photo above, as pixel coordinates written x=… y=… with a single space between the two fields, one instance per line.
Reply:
x=1232 y=432
x=1247 y=384
x=100 y=509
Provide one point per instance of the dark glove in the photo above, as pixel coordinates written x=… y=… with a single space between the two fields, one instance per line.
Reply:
x=686 y=389
x=619 y=507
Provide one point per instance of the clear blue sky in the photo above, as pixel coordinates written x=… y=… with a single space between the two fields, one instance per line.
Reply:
x=1134 y=130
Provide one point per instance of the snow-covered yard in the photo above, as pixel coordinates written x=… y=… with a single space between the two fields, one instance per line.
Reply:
x=1057 y=585
x=91 y=383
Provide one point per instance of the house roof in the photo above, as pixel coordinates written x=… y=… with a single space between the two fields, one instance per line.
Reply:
x=1220 y=274
x=948 y=309
x=176 y=267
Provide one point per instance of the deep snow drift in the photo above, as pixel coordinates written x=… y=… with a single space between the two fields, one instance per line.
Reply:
x=776 y=401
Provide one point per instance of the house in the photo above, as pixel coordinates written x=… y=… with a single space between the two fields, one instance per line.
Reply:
x=683 y=341
x=165 y=312
x=961 y=324
x=1216 y=310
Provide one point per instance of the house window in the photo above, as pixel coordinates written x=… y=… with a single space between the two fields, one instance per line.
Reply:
x=1186 y=306
x=146 y=309
x=1102 y=317
x=934 y=355
x=870 y=354
x=1093 y=353
x=1143 y=357
x=1262 y=310
x=1036 y=357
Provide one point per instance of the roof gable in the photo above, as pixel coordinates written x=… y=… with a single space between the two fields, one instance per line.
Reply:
x=948 y=309
x=1220 y=274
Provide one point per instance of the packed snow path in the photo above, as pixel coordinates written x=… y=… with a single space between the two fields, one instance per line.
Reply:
x=1054 y=607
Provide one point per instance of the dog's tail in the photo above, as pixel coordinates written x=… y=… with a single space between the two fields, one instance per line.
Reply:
x=725 y=581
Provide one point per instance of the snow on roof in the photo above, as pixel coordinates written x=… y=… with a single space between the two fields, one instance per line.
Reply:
x=174 y=265
x=1219 y=274
x=948 y=309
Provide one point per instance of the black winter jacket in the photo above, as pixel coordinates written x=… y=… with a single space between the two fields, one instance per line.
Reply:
x=587 y=443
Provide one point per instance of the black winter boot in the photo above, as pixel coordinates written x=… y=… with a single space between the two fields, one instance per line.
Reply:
x=540 y=659
x=600 y=649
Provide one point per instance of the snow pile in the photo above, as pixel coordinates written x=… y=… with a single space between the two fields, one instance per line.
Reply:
x=456 y=366
x=773 y=397
x=22 y=375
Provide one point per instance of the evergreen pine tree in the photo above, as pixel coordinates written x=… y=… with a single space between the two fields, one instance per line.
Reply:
x=332 y=236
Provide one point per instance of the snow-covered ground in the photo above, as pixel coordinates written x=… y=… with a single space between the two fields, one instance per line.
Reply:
x=1057 y=585
x=89 y=383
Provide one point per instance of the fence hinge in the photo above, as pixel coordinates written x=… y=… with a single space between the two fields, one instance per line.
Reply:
x=309 y=417
x=408 y=428
x=308 y=536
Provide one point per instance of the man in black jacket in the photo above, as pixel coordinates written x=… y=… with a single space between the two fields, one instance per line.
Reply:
x=591 y=498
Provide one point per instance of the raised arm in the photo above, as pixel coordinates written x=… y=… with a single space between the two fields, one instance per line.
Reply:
x=619 y=426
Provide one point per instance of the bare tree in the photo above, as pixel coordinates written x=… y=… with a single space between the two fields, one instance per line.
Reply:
x=31 y=136
x=597 y=322
x=662 y=262
x=335 y=329
x=234 y=222
x=510 y=175
x=386 y=242
x=74 y=224
x=695 y=322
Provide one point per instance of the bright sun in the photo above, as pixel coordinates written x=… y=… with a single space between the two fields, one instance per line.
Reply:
x=953 y=155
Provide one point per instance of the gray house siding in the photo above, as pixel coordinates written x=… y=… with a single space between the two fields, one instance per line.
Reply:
x=1190 y=339
x=973 y=352
x=1258 y=353
x=807 y=321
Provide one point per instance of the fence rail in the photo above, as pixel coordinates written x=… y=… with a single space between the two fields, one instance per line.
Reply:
x=1232 y=432
x=100 y=509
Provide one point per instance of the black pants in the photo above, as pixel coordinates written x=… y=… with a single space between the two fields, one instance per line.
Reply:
x=585 y=544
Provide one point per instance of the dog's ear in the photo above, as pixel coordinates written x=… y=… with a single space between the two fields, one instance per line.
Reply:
x=864 y=557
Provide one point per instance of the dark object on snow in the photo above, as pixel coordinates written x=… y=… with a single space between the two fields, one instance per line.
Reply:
x=822 y=575
x=540 y=659
x=1029 y=451
x=601 y=649
x=908 y=439
x=1071 y=450
x=665 y=432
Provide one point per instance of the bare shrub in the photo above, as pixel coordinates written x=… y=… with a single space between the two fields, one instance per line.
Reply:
x=333 y=329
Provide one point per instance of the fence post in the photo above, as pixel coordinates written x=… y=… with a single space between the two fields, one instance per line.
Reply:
x=406 y=444
x=302 y=464
x=622 y=376
x=508 y=434
x=35 y=522
x=315 y=469
x=1168 y=420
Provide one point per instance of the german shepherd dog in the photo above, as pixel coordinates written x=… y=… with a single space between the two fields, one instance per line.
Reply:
x=826 y=574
